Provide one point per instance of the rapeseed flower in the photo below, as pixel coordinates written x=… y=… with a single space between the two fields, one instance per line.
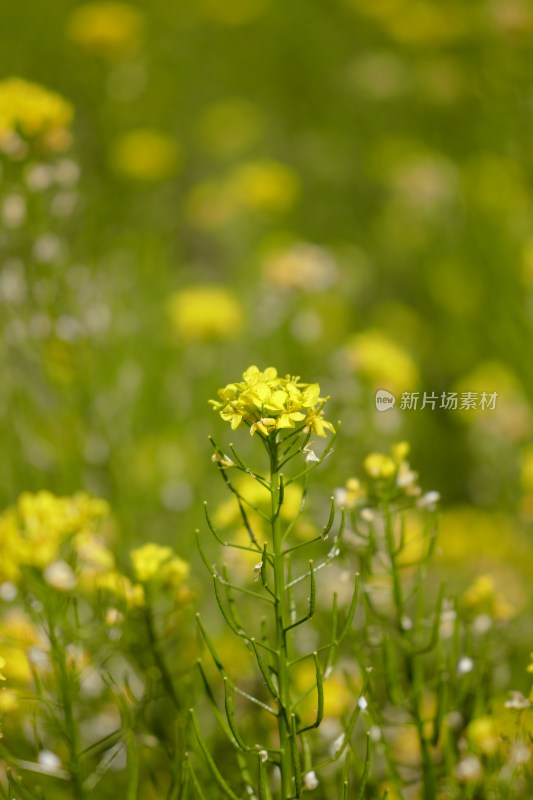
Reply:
x=34 y=113
x=148 y=560
x=33 y=531
x=153 y=561
x=264 y=186
x=111 y=30
x=255 y=187
x=268 y=403
x=146 y=154
x=205 y=312
x=381 y=361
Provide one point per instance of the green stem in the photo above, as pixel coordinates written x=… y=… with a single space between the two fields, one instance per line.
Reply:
x=71 y=728
x=284 y=703
x=166 y=678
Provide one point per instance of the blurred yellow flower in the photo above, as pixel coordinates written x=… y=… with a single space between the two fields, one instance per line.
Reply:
x=8 y=701
x=511 y=417
x=148 y=560
x=122 y=588
x=482 y=598
x=416 y=22
x=338 y=698
x=145 y=154
x=268 y=187
x=379 y=466
x=232 y=12
x=483 y=735
x=112 y=30
x=381 y=361
x=32 y=531
x=18 y=636
x=2 y=665
x=205 y=311
x=264 y=186
x=35 y=113
x=175 y=572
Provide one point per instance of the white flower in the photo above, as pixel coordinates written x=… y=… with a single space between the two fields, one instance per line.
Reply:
x=257 y=570
x=375 y=733
x=520 y=753
x=263 y=755
x=482 y=623
x=517 y=702
x=368 y=515
x=469 y=769
x=8 y=592
x=310 y=455
x=60 y=575
x=338 y=744
x=362 y=703
x=429 y=500
x=49 y=761
x=310 y=780
x=340 y=495
x=465 y=665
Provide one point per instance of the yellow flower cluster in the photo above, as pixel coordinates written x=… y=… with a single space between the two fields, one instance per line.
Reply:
x=382 y=467
x=268 y=403
x=33 y=112
x=258 y=187
x=111 y=30
x=205 y=312
x=145 y=154
x=154 y=561
x=33 y=531
x=381 y=361
x=482 y=597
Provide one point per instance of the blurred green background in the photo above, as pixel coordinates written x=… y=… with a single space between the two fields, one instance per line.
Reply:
x=341 y=190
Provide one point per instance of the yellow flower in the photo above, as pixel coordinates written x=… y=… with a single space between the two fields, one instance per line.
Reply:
x=121 y=588
x=482 y=597
x=175 y=571
x=148 y=560
x=483 y=735
x=35 y=113
x=379 y=466
x=205 y=312
x=19 y=636
x=146 y=154
x=264 y=186
x=8 y=701
x=2 y=665
x=381 y=361
x=400 y=451
x=268 y=403
x=33 y=531
x=112 y=30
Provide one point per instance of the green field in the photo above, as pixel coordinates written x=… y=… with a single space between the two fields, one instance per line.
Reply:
x=340 y=191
